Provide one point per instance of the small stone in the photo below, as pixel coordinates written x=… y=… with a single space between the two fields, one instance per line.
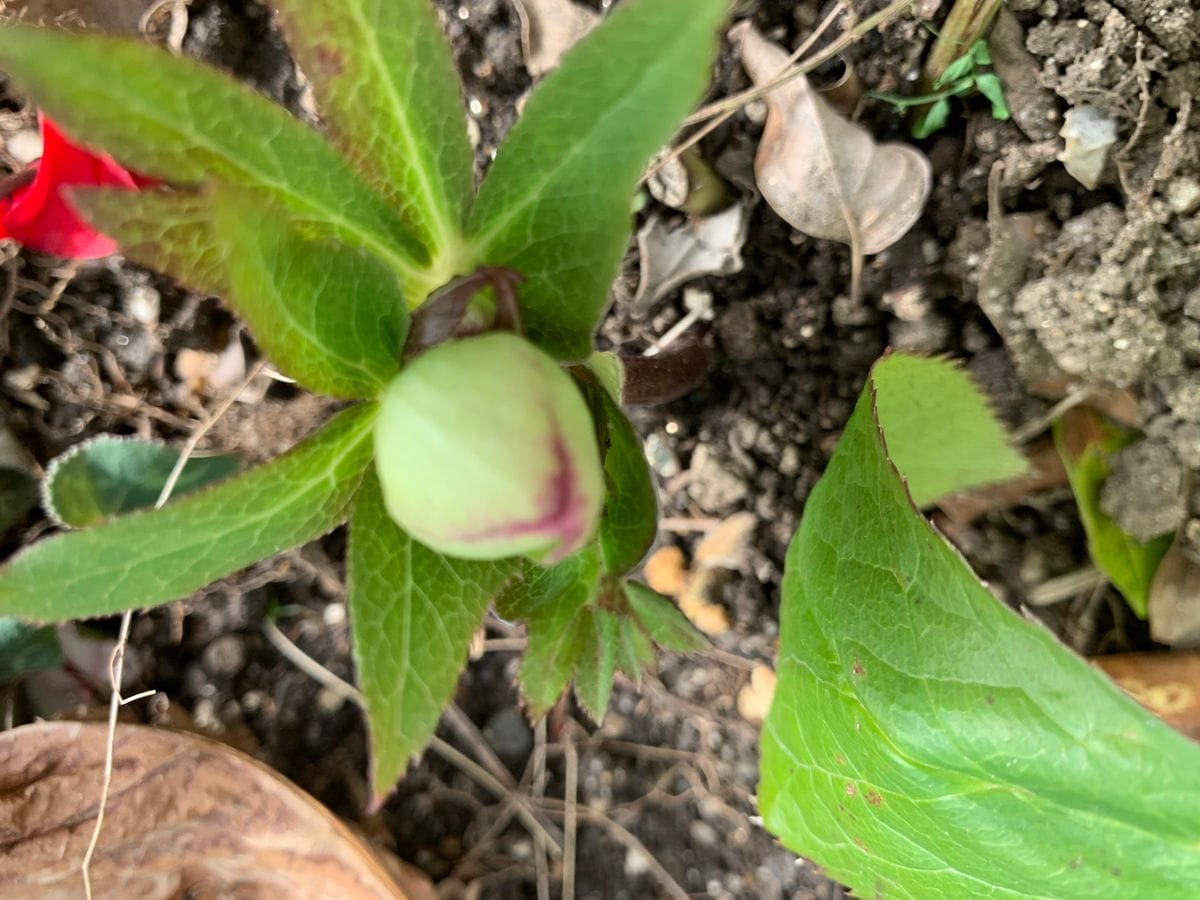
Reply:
x=225 y=655
x=1144 y=494
x=1183 y=196
x=714 y=488
x=702 y=833
x=510 y=736
x=661 y=457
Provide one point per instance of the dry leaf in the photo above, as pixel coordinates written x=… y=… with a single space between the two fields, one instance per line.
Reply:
x=549 y=28
x=1034 y=107
x=673 y=256
x=1167 y=684
x=186 y=817
x=1174 y=603
x=825 y=176
x=754 y=700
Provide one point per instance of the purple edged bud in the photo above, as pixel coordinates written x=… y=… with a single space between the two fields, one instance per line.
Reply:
x=486 y=449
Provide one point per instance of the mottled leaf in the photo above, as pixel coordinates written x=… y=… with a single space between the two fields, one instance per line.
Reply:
x=147 y=558
x=109 y=475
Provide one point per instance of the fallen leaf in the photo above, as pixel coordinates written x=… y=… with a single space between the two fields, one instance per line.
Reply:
x=1167 y=684
x=186 y=817
x=825 y=176
x=754 y=700
x=549 y=28
x=1034 y=107
x=1173 y=607
x=700 y=246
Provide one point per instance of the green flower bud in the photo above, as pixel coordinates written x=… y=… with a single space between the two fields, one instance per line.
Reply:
x=486 y=449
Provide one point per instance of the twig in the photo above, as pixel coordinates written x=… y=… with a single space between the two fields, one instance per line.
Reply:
x=630 y=841
x=1034 y=427
x=538 y=792
x=571 y=817
x=721 y=111
x=116 y=669
x=448 y=752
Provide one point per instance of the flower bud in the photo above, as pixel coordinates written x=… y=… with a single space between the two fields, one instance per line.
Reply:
x=486 y=449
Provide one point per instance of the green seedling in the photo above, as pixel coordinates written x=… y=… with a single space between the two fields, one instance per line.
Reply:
x=965 y=75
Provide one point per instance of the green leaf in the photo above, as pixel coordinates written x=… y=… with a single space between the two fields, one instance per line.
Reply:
x=1087 y=442
x=629 y=523
x=932 y=120
x=924 y=393
x=927 y=742
x=108 y=475
x=390 y=99
x=663 y=621
x=330 y=315
x=26 y=648
x=991 y=88
x=175 y=119
x=555 y=203
x=555 y=603
x=959 y=68
x=412 y=615
x=152 y=557
x=598 y=663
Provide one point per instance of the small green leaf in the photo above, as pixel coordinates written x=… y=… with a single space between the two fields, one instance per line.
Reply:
x=26 y=648
x=108 y=475
x=598 y=663
x=175 y=119
x=1087 y=442
x=330 y=315
x=927 y=742
x=555 y=204
x=555 y=603
x=663 y=621
x=412 y=615
x=390 y=99
x=989 y=85
x=924 y=393
x=932 y=120
x=147 y=558
x=629 y=523
x=959 y=68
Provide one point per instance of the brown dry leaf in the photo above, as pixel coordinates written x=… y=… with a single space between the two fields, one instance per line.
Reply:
x=549 y=28
x=1167 y=684
x=1174 y=603
x=825 y=176
x=754 y=700
x=670 y=257
x=186 y=817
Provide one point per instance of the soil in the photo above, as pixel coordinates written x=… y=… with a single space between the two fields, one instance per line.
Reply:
x=1105 y=294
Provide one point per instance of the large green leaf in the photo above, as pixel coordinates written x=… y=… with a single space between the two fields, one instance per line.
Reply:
x=109 y=475
x=177 y=120
x=412 y=613
x=927 y=742
x=555 y=205
x=152 y=557
x=1087 y=442
x=390 y=99
x=330 y=315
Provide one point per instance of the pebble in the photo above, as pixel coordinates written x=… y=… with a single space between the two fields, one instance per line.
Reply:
x=225 y=655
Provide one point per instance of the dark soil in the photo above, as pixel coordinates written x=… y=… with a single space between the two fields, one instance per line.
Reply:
x=673 y=761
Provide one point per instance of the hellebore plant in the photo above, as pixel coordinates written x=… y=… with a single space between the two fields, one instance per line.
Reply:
x=485 y=458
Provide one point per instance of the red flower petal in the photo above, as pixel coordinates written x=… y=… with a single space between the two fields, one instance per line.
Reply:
x=41 y=217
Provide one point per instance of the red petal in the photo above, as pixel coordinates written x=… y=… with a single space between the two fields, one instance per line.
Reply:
x=41 y=217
